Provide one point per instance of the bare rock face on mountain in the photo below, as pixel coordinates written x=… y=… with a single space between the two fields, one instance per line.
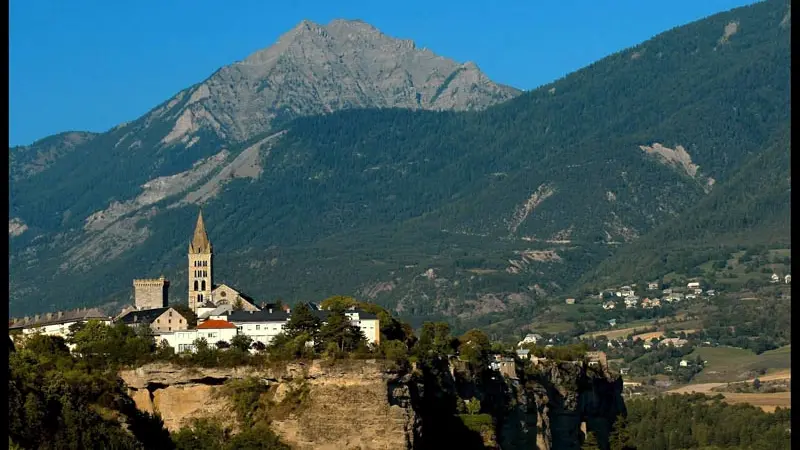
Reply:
x=316 y=69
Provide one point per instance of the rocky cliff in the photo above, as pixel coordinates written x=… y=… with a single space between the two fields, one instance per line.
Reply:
x=358 y=404
x=348 y=406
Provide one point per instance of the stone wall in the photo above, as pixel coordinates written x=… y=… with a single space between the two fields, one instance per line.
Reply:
x=170 y=320
x=152 y=293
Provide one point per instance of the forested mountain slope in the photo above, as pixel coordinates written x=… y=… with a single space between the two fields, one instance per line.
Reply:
x=752 y=208
x=473 y=216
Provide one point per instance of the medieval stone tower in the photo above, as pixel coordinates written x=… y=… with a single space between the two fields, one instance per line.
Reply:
x=199 y=266
x=152 y=293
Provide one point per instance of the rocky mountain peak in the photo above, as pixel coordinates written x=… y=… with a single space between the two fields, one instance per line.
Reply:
x=315 y=69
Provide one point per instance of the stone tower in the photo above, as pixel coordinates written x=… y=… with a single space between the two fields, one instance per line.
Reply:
x=199 y=266
x=149 y=294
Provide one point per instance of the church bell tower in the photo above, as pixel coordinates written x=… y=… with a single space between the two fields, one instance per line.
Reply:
x=199 y=266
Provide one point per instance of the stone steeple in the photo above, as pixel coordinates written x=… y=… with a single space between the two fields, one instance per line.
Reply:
x=200 y=268
x=200 y=242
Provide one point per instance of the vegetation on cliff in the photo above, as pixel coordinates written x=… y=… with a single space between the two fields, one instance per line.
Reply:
x=57 y=400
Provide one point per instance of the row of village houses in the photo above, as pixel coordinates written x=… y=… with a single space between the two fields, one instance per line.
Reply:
x=213 y=324
x=631 y=300
x=693 y=290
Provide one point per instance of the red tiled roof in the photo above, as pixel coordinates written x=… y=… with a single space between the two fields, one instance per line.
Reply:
x=214 y=324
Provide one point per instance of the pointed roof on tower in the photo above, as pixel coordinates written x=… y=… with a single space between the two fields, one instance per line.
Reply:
x=200 y=242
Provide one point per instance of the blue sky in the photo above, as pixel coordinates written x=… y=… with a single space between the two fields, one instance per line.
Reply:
x=89 y=65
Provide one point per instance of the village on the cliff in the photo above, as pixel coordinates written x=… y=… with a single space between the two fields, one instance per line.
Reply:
x=222 y=311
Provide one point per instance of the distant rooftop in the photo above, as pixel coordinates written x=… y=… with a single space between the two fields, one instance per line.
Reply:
x=55 y=318
x=146 y=316
x=215 y=325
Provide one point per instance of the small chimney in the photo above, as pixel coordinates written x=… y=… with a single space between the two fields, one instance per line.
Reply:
x=36 y=318
x=270 y=310
x=60 y=314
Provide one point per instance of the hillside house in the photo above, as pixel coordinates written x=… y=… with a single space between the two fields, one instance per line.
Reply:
x=631 y=302
x=774 y=278
x=523 y=353
x=667 y=291
x=597 y=359
x=612 y=322
x=655 y=303
x=158 y=319
x=57 y=323
x=674 y=297
x=609 y=305
x=506 y=366
x=626 y=291
x=570 y=301
x=787 y=279
x=684 y=363
x=531 y=338
x=652 y=286
x=693 y=285
x=690 y=296
x=647 y=303
x=698 y=291
x=181 y=341
x=261 y=326
x=675 y=342
x=711 y=292
x=214 y=331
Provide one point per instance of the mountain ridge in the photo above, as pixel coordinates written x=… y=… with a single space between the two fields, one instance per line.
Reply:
x=435 y=214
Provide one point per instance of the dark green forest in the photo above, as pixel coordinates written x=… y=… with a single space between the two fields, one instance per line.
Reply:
x=695 y=421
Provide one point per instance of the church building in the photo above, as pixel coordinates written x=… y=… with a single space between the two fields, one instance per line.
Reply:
x=203 y=293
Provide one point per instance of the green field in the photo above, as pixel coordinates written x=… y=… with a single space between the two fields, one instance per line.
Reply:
x=732 y=364
x=553 y=327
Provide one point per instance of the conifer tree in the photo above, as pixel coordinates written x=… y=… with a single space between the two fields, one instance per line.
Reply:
x=620 y=438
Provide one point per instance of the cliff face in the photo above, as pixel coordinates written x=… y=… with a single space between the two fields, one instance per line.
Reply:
x=355 y=406
x=570 y=400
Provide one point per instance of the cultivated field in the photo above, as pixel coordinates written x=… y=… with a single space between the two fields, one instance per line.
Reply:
x=727 y=364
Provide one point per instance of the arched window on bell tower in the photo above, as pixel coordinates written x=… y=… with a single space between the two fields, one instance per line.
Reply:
x=195 y=285
x=203 y=284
